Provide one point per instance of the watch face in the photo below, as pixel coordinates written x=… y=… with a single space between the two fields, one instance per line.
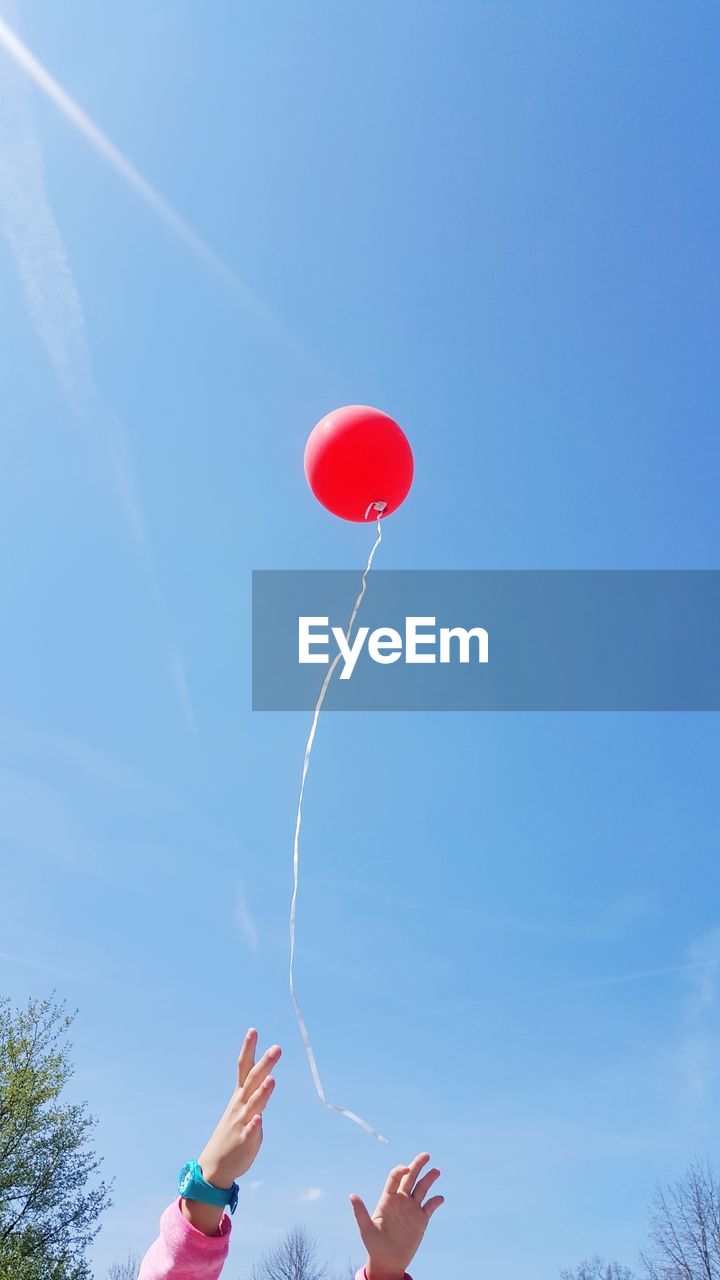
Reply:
x=187 y=1174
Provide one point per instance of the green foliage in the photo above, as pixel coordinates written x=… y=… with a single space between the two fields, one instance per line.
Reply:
x=50 y=1196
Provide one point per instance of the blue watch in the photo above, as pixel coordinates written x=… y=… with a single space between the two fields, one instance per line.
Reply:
x=192 y=1186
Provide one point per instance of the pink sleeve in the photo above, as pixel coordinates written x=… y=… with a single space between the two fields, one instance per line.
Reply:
x=362 y=1275
x=181 y=1252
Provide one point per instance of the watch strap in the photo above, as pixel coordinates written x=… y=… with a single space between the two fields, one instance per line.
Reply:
x=193 y=1186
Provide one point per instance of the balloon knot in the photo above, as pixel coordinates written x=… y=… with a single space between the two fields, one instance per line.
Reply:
x=378 y=507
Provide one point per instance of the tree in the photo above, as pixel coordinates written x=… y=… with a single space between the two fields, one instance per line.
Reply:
x=295 y=1257
x=685 y=1228
x=597 y=1269
x=50 y=1196
x=126 y=1270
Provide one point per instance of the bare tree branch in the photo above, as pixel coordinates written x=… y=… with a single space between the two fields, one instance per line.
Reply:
x=295 y=1257
x=597 y=1269
x=685 y=1228
x=126 y=1270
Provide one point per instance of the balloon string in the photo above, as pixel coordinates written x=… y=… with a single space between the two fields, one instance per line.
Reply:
x=296 y=864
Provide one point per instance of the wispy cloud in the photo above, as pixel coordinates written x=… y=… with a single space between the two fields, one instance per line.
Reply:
x=22 y=960
x=705 y=956
x=26 y=60
x=50 y=293
x=606 y=921
x=243 y=919
x=698 y=1054
x=312 y=1193
x=35 y=818
x=55 y=310
x=641 y=975
x=70 y=758
x=33 y=68
x=162 y=1099
x=621 y=915
x=182 y=688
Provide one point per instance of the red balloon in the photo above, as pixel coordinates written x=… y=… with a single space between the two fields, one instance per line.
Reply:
x=359 y=463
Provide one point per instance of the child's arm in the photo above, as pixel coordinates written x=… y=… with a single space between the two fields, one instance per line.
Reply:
x=194 y=1236
x=392 y=1236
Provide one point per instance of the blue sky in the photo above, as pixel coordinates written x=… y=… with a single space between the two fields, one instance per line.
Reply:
x=499 y=223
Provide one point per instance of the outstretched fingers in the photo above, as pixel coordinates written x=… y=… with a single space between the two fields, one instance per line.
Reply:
x=433 y=1204
x=247 y=1056
x=254 y=1126
x=258 y=1101
x=261 y=1070
x=362 y=1217
x=395 y=1177
x=424 y=1185
x=408 y=1181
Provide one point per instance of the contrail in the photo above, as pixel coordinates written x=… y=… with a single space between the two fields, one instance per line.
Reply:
x=642 y=976
x=55 y=309
x=32 y=67
x=178 y=676
x=109 y=152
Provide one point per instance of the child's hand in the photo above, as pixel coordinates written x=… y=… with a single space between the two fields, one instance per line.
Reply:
x=393 y=1234
x=238 y=1136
